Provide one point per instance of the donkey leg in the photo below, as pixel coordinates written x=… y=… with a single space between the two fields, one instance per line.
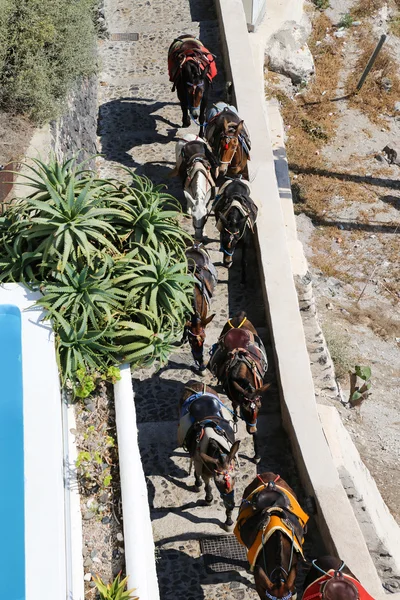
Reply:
x=228 y=525
x=209 y=496
x=257 y=456
x=202 y=117
x=184 y=108
x=197 y=476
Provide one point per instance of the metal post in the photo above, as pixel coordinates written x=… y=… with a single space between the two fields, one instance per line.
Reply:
x=371 y=62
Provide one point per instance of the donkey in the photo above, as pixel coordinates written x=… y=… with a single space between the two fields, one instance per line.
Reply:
x=206 y=281
x=191 y=68
x=229 y=139
x=271 y=524
x=205 y=431
x=329 y=578
x=197 y=169
x=236 y=214
x=239 y=361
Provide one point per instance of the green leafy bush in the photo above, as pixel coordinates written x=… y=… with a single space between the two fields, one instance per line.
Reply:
x=45 y=45
x=114 y=590
x=109 y=260
x=321 y=4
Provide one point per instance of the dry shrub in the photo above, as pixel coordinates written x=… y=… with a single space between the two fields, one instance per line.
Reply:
x=372 y=99
x=340 y=348
x=384 y=325
x=366 y=8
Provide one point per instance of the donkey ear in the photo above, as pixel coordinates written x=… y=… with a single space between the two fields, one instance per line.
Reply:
x=209 y=459
x=259 y=391
x=261 y=580
x=208 y=320
x=240 y=127
x=233 y=451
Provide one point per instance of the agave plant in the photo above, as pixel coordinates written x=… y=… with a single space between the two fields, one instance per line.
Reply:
x=116 y=590
x=68 y=226
x=78 y=346
x=148 y=211
x=56 y=174
x=86 y=288
x=146 y=339
x=109 y=258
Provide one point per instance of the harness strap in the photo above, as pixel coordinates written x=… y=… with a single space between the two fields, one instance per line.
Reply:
x=239 y=326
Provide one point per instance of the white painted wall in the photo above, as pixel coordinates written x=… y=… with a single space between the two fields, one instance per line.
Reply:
x=336 y=520
x=138 y=534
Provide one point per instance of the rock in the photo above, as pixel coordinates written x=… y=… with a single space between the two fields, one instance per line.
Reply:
x=392 y=153
x=340 y=33
x=287 y=52
x=87 y=562
x=120 y=537
x=380 y=158
x=106 y=520
x=386 y=84
x=93 y=554
x=90 y=407
x=88 y=515
x=397 y=106
x=103 y=497
x=87 y=576
x=92 y=584
x=356 y=23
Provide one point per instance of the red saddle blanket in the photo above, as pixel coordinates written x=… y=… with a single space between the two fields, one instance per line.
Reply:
x=189 y=48
x=313 y=591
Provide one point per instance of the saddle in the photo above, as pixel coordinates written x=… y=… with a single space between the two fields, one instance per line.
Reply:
x=187 y=47
x=204 y=271
x=204 y=407
x=335 y=584
x=242 y=346
x=200 y=411
x=267 y=510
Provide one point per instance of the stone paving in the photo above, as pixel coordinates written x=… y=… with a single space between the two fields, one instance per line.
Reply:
x=139 y=121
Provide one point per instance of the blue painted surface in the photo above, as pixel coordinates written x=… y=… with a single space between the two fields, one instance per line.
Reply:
x=12 y=548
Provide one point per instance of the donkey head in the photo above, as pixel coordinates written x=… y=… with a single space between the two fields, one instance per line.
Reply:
x=232 y=229
x=249 y=401
x=195 y=333
x=282 y=586
x=195 y=81
x=197 y=192
x=229 y=142
x=223 y=470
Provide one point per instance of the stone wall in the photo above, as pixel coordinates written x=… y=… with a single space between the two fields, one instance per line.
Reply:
x=76 y=130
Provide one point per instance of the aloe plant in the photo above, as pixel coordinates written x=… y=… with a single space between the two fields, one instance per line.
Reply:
x=88 y=288
x=109 y=259
x=116 y=590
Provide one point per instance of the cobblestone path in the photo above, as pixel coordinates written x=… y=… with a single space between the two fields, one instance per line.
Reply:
x=139 y=120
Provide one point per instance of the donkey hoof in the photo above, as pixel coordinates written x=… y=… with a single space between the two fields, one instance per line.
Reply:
x=228 y=526
x=186 y=123
x=208 y=501
x=196 y=487
x=257 y=459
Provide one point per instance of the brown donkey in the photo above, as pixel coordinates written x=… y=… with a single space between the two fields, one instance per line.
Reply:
x=239 y=361
x=229 y=139
x=206 y=280
x=330 y=579
x=271 y=524
x=205 y=431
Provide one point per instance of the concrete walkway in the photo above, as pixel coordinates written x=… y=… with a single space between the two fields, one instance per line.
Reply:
x=138 y=126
